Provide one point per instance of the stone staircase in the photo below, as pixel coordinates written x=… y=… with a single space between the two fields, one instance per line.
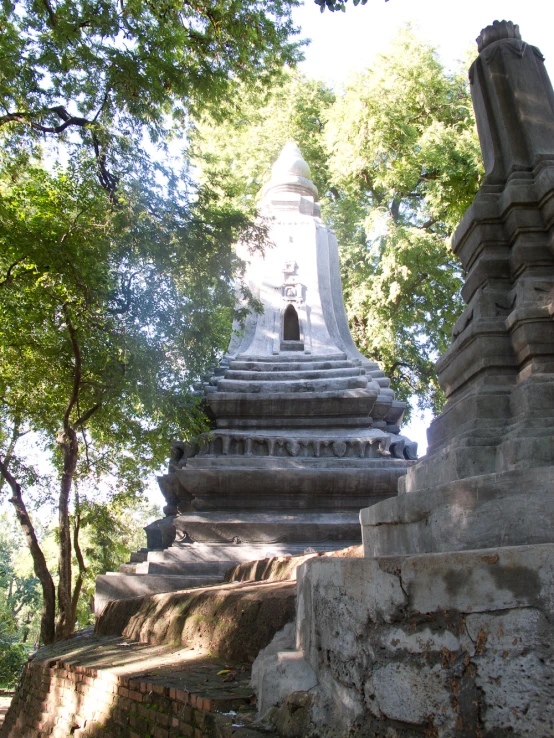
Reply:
x=186 y=566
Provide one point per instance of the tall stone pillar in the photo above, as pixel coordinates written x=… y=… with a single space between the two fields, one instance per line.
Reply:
x=493 y=445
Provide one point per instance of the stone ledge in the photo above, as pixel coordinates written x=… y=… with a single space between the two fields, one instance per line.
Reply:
x=477 y=512
x=233 y=621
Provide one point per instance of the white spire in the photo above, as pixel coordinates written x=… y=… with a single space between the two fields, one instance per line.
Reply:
x=290 y=173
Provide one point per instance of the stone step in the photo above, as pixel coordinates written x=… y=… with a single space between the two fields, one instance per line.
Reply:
x=186 y=568
x=279 y=376
x=138 y=556
x=115 y=586
x=216 y=559
x=291 y=366
x=284 y=358
x=230 y=553
x=289 y=386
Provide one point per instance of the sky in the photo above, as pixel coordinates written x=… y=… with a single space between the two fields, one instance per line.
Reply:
x=345 y=42
x=342 y=42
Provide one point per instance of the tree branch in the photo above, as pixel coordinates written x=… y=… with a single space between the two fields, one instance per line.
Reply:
x=108 y=181
x=408 y=289
x=85 y=416
x=39 y=562
x=51 y=13
x=14 y=437
x=428 y=224
x=9 y=274
x=59 y=110
x=81 y=564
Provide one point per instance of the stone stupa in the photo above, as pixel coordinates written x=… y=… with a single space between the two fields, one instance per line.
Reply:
x=305 y=428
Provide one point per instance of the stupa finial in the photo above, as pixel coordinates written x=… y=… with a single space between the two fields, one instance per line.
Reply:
x=290 y=173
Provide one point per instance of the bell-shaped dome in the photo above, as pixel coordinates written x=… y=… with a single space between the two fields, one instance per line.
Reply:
x=290 y=162
x=290 y=173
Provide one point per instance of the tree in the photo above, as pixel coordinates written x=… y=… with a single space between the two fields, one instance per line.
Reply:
x=110 y=307
x=405 y=158
x=19 y=600
x=107 y=316
x=110 y=532
x=111 y=71
x=396 y=159
x=254 y=136
x=334 y=5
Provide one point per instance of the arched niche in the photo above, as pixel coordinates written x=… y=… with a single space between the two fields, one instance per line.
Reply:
x=292 y=335
x=291 y=324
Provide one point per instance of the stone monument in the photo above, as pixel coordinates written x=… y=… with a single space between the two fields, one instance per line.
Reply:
x=488 y=476
x=446 y=627
x=305 y=428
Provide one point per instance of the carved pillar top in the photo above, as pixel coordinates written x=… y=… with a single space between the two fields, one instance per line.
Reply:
x=514 y=104
x=496 y=32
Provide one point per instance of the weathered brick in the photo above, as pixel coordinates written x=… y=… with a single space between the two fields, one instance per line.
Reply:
x=185 y=713
x=181 y=695
x=186 y=729
x=124 y=703
x=162 y=719
x=199 y=718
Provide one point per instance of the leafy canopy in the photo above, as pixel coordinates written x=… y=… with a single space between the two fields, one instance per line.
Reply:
x=110 y=307
x=144 y=293
x=114 y=71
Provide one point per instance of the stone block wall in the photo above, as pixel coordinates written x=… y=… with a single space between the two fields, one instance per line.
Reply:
x=440 y=645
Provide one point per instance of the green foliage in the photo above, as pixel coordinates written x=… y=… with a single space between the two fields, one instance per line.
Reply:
x=253 y=138
x=111 y=307
x=13 y=655
x=146 y=288
x=19 y=604
x=396 y=159
x=112 y=71
x=19 y=589
x=110 y=532
x=406 y=161
x=334 y=5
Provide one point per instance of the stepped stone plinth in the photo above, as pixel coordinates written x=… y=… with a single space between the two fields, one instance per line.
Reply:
x=306 y=430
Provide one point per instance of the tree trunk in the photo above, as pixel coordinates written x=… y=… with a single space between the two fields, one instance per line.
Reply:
x=48 y=614
x=70 y=450
x=82 y=570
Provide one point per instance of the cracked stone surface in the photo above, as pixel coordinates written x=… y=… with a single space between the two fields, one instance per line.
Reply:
x=450 y=645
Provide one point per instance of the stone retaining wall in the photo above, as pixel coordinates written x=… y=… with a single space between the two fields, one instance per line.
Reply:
x=447 y=645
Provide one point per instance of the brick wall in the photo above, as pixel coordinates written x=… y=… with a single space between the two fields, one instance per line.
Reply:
x=57 y=699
